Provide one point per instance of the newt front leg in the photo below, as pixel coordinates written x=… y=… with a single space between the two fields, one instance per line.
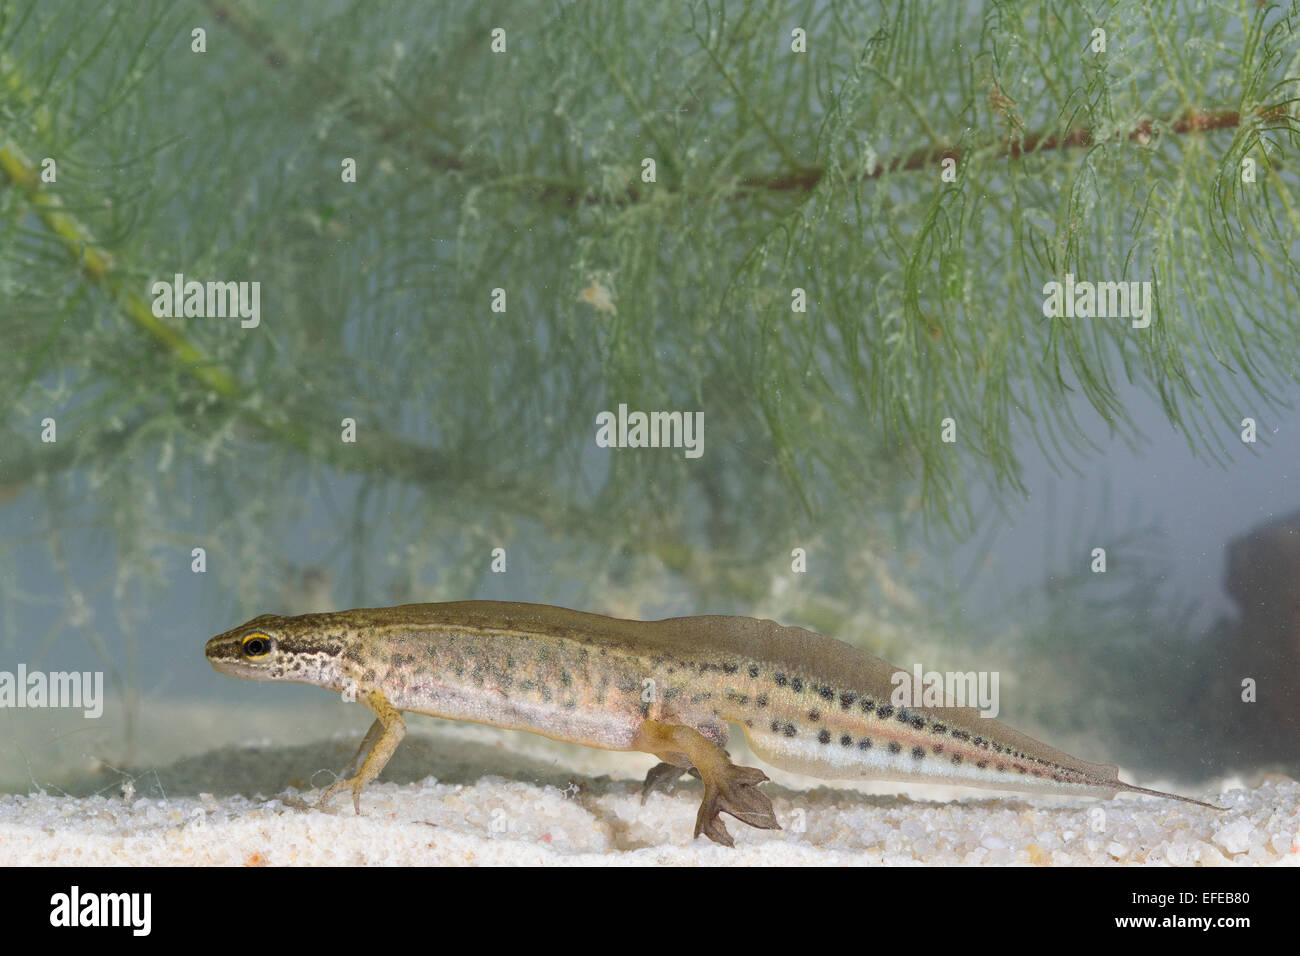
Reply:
x=727 y=788
x=380 y=741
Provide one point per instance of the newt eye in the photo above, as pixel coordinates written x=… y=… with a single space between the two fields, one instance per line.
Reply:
x=256 y=646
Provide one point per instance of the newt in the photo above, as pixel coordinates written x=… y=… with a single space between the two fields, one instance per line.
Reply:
x=670 y=688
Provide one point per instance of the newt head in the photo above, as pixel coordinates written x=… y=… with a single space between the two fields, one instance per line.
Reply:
x=275 y=648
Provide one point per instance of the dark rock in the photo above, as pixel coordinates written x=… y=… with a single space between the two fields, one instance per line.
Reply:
x=1264 y=580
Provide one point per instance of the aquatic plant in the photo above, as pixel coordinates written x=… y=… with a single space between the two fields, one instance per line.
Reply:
x=840 y=243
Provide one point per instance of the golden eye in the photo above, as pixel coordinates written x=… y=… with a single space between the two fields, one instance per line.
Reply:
x=256 y=646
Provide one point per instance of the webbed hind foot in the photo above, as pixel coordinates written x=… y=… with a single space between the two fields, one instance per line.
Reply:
x=727 y=788
x=662 y=776
x=735 y=792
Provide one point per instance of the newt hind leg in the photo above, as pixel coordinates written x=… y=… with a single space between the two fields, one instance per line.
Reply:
x=727 y=788
x=662 y=776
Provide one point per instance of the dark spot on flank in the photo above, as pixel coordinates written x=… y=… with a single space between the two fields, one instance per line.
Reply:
x=753 y=670
x=868 y=705
x=981 y=764
x=847 y=698
x=938 y=728
x=566 y=678
x=826 y=693
x=761 y=700
x=885 y=711
x=645 y=709
x=918 y=753
x=1002 y=766
x=602 y=652
x=981 y=742
x=729 y=668
x=796 y=684
x=742 y=699
x=824 y=736
x=788 y=730
x=918 y=722
x=814 y=714
x=570 y=704
x=894 y=747
x=1036 y=773
x=956 y=758
x=904 y=715
x=937 y=748
x=776 y=727
x=749 y=724
x=846 y=741
x=960 y=735
x=781 y=680
x=864 y=743
x=997 y=746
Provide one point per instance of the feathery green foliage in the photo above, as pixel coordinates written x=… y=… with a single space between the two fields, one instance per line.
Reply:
x=775 y=170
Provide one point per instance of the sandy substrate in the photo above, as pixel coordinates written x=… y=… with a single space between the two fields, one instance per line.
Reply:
x=469 y=795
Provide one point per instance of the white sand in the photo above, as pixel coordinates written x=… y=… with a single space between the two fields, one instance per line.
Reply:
x=472 y=795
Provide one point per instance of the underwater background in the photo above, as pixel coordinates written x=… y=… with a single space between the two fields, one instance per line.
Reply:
x=468 y=245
